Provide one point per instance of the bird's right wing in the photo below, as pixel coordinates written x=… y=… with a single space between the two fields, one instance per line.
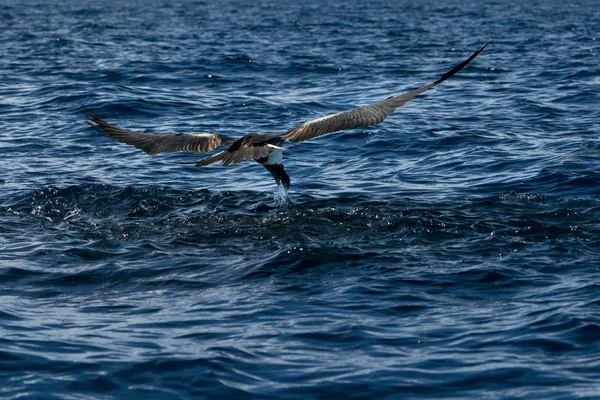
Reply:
x=160 y=143
x=371 y=114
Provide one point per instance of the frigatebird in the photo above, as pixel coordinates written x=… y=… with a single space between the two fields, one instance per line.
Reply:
x=265 y=149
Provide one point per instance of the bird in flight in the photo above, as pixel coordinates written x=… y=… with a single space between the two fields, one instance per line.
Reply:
x=265 y=149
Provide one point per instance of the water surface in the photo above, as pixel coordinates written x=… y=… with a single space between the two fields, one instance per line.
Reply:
x=451 y=252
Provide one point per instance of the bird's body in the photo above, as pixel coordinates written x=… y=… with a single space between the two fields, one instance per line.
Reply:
x=266 y=149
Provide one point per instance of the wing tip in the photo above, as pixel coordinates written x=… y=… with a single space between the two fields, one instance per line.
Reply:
x=88 y=113
x=460 y=66
x=92 y=119
x=479 y=50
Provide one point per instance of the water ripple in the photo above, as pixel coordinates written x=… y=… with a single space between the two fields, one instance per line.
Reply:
x=450 y=252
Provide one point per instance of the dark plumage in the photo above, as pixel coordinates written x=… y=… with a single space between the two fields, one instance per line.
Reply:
x=264 y=149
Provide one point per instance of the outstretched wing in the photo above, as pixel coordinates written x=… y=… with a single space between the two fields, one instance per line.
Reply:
x=160 y=143
x=371 y=114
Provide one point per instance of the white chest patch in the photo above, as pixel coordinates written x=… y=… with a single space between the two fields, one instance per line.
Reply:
x=275 y=157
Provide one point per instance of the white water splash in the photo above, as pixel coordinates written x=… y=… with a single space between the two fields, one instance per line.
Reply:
x=282 y=196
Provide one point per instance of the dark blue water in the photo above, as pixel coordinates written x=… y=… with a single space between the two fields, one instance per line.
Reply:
x=451 y=252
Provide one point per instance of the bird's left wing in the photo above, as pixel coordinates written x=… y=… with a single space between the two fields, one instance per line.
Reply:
x=371 y=114
x=160 y=143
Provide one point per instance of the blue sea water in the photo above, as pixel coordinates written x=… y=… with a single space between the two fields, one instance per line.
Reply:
x=451 y=252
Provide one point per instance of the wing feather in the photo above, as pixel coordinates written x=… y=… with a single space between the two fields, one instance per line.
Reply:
x=160 y=143
x=371 y=114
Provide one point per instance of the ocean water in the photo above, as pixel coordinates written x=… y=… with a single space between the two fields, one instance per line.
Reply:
x=451 y=252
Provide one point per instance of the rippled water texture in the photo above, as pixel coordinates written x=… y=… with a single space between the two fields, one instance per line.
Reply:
x=451 y=252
